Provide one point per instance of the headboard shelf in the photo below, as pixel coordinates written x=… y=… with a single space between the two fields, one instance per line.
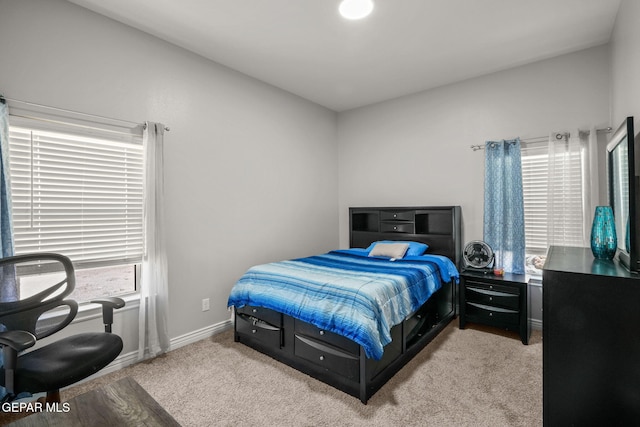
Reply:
x=437 y=226
x=365 y=221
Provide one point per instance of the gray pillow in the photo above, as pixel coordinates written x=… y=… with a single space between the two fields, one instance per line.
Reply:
x=391 y=250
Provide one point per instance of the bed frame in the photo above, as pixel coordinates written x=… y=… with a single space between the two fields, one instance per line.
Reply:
x=337 y=360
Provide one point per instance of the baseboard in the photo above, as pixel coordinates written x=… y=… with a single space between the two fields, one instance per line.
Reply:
x=200 y=334
x=536 y=324
x=130 y=358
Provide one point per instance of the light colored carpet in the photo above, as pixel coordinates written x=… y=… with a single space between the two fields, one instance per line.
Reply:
x=471 y=377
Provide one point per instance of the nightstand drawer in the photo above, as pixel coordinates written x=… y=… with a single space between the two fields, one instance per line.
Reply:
x=492 y=315
x=492 y=297
x=492 y=287
x=397 y=227
x=499 y=301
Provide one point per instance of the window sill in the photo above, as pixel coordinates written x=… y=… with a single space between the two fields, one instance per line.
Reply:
x=536 y=281
x=88 y=311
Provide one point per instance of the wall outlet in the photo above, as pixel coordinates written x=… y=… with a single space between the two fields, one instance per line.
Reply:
x=205 y=304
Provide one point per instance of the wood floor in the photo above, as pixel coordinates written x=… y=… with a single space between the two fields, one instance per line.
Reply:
x=122 y=403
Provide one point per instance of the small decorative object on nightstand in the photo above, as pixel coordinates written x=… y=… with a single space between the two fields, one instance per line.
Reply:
x=499 y=301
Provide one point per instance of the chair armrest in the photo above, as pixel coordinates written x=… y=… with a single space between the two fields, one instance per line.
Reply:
x=17 y=340
x=113 y=302
x=108 y=305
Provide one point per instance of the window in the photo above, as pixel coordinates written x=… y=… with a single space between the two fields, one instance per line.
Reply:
x=535 y=174
x=78 y=192
x=553 y=199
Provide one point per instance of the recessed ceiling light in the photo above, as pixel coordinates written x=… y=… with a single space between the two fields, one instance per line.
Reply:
x=355 y=9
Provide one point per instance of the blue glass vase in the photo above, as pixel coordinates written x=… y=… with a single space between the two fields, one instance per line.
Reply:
x=603 y=233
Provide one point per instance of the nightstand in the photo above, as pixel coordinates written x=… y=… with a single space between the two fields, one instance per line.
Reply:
x=498 y=301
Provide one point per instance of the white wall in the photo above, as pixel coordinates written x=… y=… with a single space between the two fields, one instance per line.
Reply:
x=251 y=171
x=415 y=150
x=625 y=49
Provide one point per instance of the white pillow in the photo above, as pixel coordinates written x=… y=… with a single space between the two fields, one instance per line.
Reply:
x=391 y=250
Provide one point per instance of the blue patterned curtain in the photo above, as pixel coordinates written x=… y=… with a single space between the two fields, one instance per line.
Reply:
x=504 y=205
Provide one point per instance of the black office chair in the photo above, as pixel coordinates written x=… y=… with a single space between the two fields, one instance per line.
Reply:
x=63 y=362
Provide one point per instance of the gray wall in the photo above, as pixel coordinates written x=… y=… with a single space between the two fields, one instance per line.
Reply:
x=255 y=174
x=415 y=150
x=251 y=170
x=625 y=60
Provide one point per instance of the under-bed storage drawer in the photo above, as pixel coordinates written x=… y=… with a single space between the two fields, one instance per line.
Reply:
x=269 y=316
x=311 y=331
x=328 y=357
x=269 y=334
x=420 y=323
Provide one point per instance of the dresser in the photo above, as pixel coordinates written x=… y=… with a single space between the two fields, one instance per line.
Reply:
x=591 y=343
x=499 y=301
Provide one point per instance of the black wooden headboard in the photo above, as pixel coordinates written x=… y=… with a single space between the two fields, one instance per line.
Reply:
x=437 y=226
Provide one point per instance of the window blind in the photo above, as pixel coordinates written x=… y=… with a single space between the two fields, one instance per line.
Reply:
x=535 y=172
x=553 y=207
x=77 y=195
x=566 y=200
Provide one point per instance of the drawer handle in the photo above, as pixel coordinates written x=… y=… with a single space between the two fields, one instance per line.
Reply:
x=395 y=228
x=321 y=357
x=253 y=331
x=490 y=314
x=255 y=310
x=490 y=298
x=395 y=216
x=321 y=332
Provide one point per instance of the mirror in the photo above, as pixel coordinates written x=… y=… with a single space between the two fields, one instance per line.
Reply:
x=622 y=156
x=619 y=197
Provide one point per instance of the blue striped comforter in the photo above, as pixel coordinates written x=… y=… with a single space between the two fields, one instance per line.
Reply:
x=346 y=292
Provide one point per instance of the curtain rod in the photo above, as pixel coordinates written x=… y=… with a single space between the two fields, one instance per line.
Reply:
x=59 y=122
x=4 y=99
x=539 y=139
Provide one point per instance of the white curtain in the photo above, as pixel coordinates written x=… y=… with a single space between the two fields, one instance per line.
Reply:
x=592 y=191
x=153 y=331
x=572 y=188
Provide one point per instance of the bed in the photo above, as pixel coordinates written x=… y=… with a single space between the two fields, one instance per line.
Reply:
x=353 y=318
